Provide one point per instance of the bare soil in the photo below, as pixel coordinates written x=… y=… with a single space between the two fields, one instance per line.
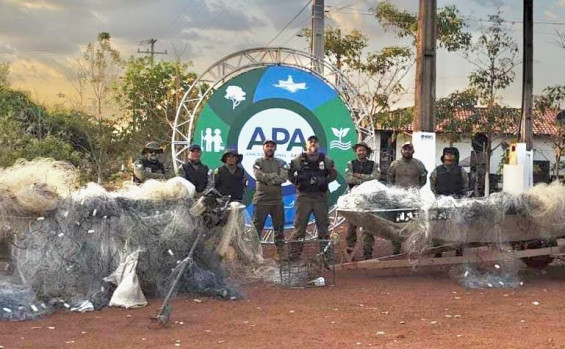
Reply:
x=396 y=309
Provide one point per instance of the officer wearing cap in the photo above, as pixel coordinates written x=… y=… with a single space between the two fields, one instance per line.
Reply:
x=449 y=178
x=311 y=172
x=194 y=171
x=358 y=171
x=229 y=179
x=148 y=165
x=270 y=173
x=407 y=172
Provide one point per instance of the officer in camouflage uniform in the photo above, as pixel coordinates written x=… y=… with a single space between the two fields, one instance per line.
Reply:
x=449 y=178
x=406 y=172
x=195 y=171
x=148 y=165
x=270 y=173
x=311 y=173
x=358 y=171
x=230 y=179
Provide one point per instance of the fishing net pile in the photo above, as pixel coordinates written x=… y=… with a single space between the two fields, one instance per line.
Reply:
x=374 y=195
x=536 y=214
x=65 y=242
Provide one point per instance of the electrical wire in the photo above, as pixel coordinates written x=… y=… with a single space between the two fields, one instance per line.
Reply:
x=289 y=23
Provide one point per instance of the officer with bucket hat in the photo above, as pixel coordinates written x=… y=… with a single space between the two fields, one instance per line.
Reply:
x=358 y=171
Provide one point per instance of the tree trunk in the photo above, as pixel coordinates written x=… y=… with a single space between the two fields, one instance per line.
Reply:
x=558 y=152
x=487 y=166
x=99 y=170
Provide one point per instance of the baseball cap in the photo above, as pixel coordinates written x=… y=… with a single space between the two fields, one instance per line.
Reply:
x=194 y=147
x=408 y=145
x=312 y=137
x=269 y=141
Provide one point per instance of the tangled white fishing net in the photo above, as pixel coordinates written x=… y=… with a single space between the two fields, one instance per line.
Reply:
x=64 y=248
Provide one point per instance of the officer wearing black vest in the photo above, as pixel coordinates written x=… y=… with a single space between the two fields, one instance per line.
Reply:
x=311 y=173
x=449 y=178
x=148 y=165
x=195 y=171
x=229 y=179
x=358 y=171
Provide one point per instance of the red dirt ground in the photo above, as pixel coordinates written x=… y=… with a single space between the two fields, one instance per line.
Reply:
x=385 y=309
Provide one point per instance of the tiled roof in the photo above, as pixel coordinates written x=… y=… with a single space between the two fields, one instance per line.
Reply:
x=543 y=124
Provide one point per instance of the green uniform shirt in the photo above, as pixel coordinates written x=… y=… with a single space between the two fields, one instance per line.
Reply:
x=407 y=173
x=270 y=174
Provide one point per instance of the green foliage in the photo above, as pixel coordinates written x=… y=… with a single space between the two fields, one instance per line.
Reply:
x=455 y=127
x=4 y=72
x=343 y=49
x=551 y=98
x=495 y=55
x=150 y=94
x=450 y=26
x=29 y=131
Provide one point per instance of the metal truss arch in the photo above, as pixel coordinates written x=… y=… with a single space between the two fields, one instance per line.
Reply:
x=239 y=62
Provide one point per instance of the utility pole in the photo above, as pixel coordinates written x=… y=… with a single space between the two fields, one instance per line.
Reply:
x=152 y=52
x=424 y=109
x=527 y=77
x=318 y=34
x=424 y=137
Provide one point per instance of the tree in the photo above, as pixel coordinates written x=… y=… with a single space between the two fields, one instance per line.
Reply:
x=379 y=73
x=150 y=96
x=450 y=26
x=98 y=70
x=28 y=130
x=494 y=55
x=4 y=72
x=455 y=127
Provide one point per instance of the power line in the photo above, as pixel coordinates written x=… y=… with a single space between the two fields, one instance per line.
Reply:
x=176 y=19
x=292 y=20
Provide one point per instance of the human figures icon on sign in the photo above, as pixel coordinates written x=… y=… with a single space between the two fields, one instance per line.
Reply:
x=212 y=143
x=217 y=141
x=206 y=139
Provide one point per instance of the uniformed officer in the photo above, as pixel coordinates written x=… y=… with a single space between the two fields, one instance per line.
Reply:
x=311 y=173
x=358 y=171
x=449 y=178
x=195 y=171
x=229 y=179
x=270 y=173
x=148 y=165
x=407 y=172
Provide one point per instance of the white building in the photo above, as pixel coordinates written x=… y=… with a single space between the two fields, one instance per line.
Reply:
x=545 y=135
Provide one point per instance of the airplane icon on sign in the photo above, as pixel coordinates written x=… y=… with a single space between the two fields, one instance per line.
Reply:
x=290 y=85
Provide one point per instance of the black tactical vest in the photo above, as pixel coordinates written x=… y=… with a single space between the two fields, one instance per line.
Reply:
x=197 y=176
x=449 y=183
x=362 y=168
x=230 y=184
x=155 y=166
x=312 y=175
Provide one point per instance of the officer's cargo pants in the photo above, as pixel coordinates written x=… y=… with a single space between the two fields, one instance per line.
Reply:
x=306 y=203
x=276 y=210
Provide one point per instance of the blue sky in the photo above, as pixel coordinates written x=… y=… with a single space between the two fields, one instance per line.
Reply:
x=40 y=38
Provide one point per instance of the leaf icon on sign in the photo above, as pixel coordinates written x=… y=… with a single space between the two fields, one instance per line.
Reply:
x=344 y=132
x=336 y=131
